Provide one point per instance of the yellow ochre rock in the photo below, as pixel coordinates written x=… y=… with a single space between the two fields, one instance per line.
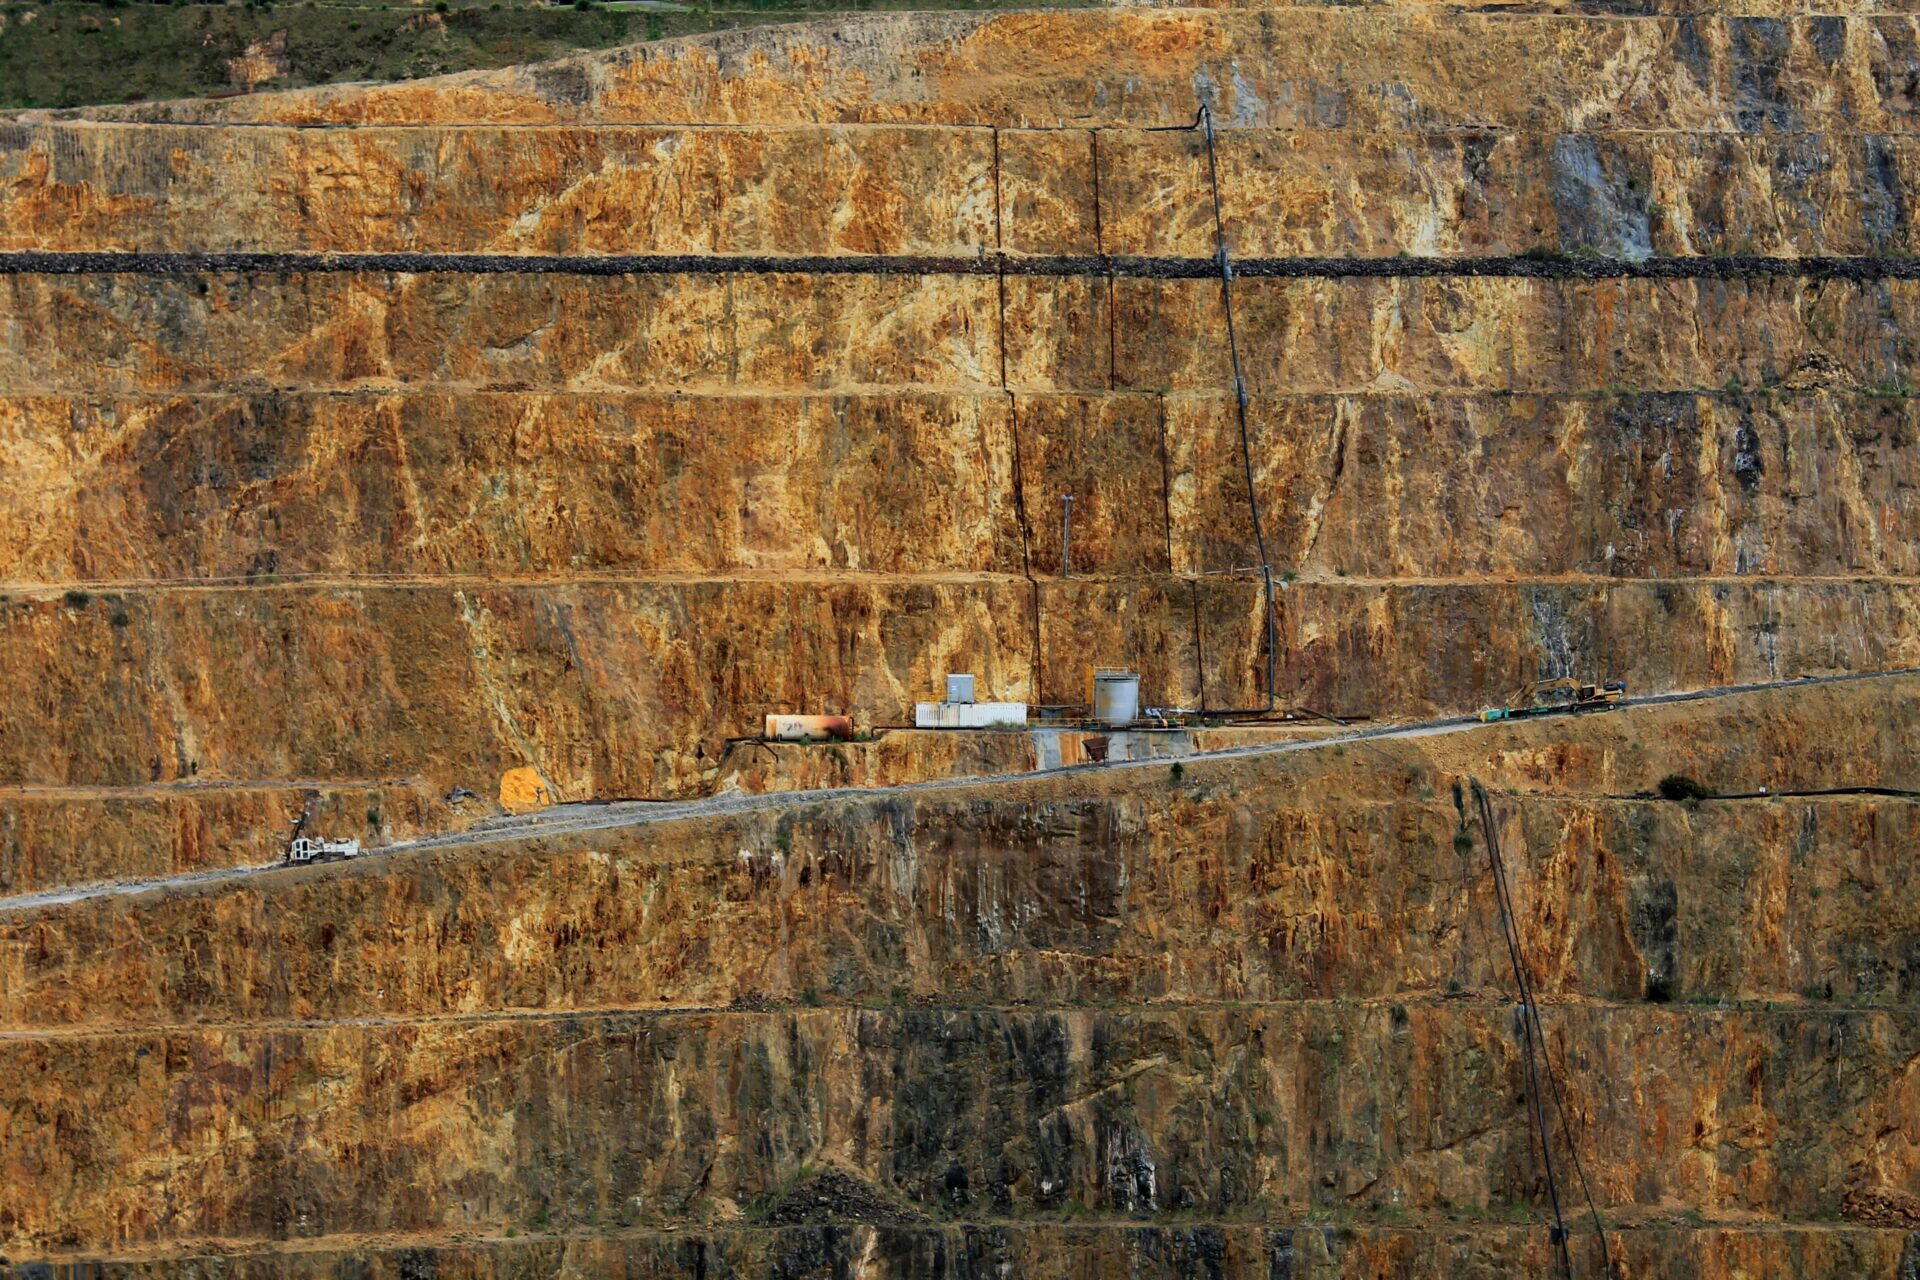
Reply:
x=1574 y=343
x=523 y=790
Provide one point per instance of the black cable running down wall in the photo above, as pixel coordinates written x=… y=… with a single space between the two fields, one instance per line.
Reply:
x=1531 y=1031
x=1205 y=122
x=984 y=264
x=1536 y=1105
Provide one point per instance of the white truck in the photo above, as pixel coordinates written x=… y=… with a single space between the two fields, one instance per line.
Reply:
x=305 y=849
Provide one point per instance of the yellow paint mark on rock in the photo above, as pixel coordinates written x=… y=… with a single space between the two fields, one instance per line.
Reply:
x=523 y=790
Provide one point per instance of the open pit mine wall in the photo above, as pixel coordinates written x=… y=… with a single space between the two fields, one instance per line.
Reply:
x=1244 y=1022
x=905 y=285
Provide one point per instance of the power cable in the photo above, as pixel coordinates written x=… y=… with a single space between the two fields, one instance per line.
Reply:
x=1240 y=392
x=1536 y=1106
x=1896 y=793
x=1204 y=123
x=1531 y=1029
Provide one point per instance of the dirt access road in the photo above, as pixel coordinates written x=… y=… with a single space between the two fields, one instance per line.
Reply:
x=571 y=819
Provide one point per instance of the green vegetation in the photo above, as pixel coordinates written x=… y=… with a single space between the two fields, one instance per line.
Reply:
x=78 y=599
x=68 y=55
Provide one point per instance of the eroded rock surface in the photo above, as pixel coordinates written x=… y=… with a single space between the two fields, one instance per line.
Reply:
x=305 y=535
x=1266 y=991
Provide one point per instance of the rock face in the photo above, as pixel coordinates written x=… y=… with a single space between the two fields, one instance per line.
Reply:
x=1265 y=996
x=1574 y=344
x=712 y=477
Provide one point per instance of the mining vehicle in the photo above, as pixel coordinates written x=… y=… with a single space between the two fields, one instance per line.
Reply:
x=305 y=849
x=1551 y=697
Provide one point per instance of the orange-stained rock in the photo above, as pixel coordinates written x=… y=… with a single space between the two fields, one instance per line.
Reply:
x=69 y=836
x=840 y=189
x=523 y=790
x=1326 y=874
x=1309 y=68
x=1216 y=971
x=395 y=550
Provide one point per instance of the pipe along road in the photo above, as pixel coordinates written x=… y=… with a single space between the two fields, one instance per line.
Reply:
x=571 y=819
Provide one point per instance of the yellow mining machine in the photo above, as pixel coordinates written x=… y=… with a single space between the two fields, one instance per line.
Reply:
x=1552 y=697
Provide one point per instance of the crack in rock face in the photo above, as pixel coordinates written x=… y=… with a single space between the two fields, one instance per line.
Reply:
x=466 y=471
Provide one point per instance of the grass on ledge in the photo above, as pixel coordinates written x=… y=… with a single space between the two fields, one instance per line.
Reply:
x=70 y=55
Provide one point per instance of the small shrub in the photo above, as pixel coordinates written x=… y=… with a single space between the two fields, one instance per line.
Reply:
x=810 y=997
x=1678 y=786
x=78 y=599
x=120 y=618
x=1177 y=772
